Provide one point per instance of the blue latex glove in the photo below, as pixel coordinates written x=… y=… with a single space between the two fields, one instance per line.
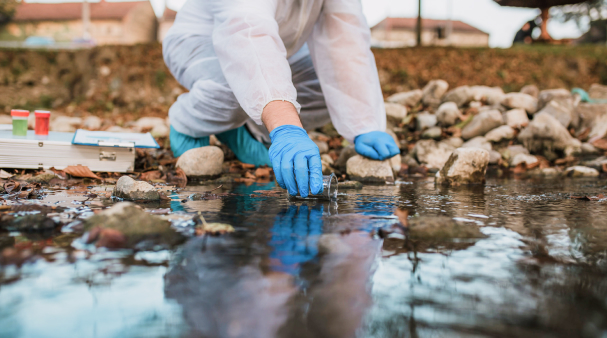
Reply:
x=295 y=160
x=376 y=145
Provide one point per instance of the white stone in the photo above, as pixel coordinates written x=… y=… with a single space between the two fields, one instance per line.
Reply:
x=6 y=119
x=460 y=96
x=580 y=171
x=448 y=114
x=455 y=142
x=465 y=166
x=482 y=123
x=434 y=133
x=396 y=112
x=160 y=130
x=91 y=123
x=409 y=99
x=323 y=147
x=65 y=124
x=395 y=163
x=118 y=129
x=327 y=164
x=559 y=112
x=511 y=151
x=494 y=157
x=489 y=95
x=546 y=132
x=129 y=189
x=517 y=118
x=426 y=120
x=545 y=96
x=203 y=161
x=500 y=133
x=530 y=90
x=589 y=149
x=431 y=153
x=148 y=123
x=478 y=142
x=363 y=169
x=433 y=92
x=523 y=158
x=520 y=100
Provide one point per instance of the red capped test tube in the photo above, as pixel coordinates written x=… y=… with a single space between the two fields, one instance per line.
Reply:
x=42 y=121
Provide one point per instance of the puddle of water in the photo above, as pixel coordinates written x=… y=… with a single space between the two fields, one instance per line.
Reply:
x=314 y=269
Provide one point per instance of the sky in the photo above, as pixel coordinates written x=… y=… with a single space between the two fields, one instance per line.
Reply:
x=501 y=23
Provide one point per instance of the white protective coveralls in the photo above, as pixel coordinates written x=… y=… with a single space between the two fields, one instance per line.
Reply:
x=236 y=56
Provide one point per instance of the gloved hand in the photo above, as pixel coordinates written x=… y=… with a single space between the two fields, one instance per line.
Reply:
x=376 y=145
x=295 y=160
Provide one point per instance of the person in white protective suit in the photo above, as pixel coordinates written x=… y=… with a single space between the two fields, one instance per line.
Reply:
x=254 y=63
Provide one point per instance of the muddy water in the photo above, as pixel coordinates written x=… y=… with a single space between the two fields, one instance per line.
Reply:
x=313 y=269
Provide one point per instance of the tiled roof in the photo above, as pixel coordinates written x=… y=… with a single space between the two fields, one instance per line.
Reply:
x=411 y=23
x=73 y=10
x=168 y=15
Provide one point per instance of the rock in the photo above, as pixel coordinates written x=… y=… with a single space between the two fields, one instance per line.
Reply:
x=546 y=132
x=516 y=118
x=441 y=229
x=316 y=136
x=500 y=133
x=465 y=166
x=448 y=114
x=510 y=152
x=434 y=133
x=550 y=172
x=426 y=120
x=494 y=157
x=396 y=140
x=482 y=123
x=327 y=164
x=27 y=223
x=475 y=104
x=349 y=185
x=548 y=95
x=523 y=158
x=478 y=142
x=395 y=112
x=559 y=112
x=455 y=142
x=65 y=124
x=204 y=161
x=129 y=189
x=323 y=147
x=125 y=225
x=580 y=171
x=597 y=91
x=91 y=123
x=531 y=90
x=596 y=163
x=366 y=170
x=409 y=99
x=117 y=129
x=409 y=161
x=490 y=95
x=160 y=130
x=6 y=119
x=148 y=123
x=433 y=92
x=520 y=100
x=43 y=178
x=460 y=96
x=345 y=154
x=593 y=117
x=432 y=154
x=589 y=149
x=395 y=163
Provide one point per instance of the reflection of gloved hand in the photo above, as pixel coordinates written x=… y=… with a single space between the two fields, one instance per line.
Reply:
x=376 y=145
x=295 y=156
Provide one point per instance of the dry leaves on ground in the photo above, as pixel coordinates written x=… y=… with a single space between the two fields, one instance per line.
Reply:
x=151 y=175
x=589 y=198
x=80 y=171
x=178 y=178
x=4 y=174
x=600 y=144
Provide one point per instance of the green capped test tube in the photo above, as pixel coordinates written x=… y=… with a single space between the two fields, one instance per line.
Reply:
x=20 y=122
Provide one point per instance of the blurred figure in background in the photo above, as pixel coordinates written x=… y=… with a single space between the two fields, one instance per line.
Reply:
x=524 y=35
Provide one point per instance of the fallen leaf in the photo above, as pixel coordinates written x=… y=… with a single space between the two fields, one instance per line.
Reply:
x=263 y=172
x=4 y=174
x=178 y=178
x=604 y=167
x=566 y=160
x=601 y=144
x=520 y=169
x=10 y=186
x=150 y=175
x=80 y=171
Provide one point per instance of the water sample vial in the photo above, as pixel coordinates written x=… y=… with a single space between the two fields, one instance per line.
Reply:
x=329 y=189
x=20 y=122
x=42 y=118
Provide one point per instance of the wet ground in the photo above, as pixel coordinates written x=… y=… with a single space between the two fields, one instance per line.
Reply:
x=315 y=269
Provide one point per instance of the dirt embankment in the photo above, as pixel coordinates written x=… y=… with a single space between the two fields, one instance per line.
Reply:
x=122 y=81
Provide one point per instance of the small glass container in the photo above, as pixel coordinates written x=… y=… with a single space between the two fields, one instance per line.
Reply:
x=20 y=122
x=42 y=120
x=329 y=189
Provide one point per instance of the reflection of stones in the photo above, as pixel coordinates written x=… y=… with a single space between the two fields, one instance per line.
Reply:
x=349 y=185
x=366 y=170
x=139 y=228
x=27 y=223
x=129 y=189
x=465 y=166
x=205 y=205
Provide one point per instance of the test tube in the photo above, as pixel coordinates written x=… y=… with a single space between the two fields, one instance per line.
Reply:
x=20 y=121
x=329 y=189
x=42 y=119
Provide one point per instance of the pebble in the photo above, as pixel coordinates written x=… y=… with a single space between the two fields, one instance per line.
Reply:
x=426 y=120
x=202 y=162
x=559 y=112
x=323 y=147
x=490 y=95
x=546 y=132
x=92 y=123
x=465 y=166
x=432 y=154
x=148 y=123
x=448 y=114
x=433 y=92
x=327 y=164
x=460 y=96
x=523 y=158
x=530 y=90
x=511 y=151
x=363 y=169
x=344 y=156
x=580 y=171
x=500 y=133
x=516 y=118
x=482 y=123
x=395 y=112
x=129 y=189
x=434 y=133
x=545 y=96
x=494 y=157
x=409 y=99
x=520 y=100
x=65 y=124
x=478 y=142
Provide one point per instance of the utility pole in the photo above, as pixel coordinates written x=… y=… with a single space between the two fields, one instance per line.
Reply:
x=419 y=23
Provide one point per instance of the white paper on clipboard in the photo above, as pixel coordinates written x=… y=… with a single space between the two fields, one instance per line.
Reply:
x=95 y=138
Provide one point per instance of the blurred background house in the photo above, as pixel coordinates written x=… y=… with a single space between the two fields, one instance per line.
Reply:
x=401 y=32
x=165 y=22
x=112 y=23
